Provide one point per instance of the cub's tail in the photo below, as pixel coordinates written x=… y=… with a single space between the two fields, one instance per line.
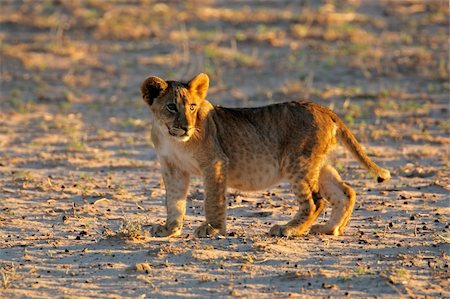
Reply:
x=348 y=139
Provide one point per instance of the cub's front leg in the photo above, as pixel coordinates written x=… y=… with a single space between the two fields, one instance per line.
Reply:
x=176 y=182
x=215 y=183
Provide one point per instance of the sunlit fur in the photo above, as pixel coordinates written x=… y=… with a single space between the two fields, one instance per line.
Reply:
x=249 y=149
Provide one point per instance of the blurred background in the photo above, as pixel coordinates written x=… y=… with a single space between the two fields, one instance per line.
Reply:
x=76 y=154
x=71 y=70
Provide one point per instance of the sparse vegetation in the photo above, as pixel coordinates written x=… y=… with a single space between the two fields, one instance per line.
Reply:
x=132 y=230
x=8 y=274
x=76 y=153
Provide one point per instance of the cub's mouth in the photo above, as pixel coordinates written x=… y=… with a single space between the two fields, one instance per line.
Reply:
x=180 y=134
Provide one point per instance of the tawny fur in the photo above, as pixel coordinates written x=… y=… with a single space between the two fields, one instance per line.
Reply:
x=248 y=149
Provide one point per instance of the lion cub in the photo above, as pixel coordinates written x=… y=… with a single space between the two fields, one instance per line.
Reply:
x=248 y=149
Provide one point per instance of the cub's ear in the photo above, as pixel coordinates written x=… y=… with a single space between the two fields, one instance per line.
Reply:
x=151 y=88
x=199 y=85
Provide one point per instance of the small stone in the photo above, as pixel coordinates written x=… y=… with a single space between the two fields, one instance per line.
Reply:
x=143 y=267
x=328 y=286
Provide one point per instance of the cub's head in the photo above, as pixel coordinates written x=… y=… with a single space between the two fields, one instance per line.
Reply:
x=174 y=104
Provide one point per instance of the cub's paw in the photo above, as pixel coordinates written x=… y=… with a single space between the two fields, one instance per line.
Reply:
x=287 y=230
x=207 y=231
x=324 y=229
x=279 y=231
x=159 y=230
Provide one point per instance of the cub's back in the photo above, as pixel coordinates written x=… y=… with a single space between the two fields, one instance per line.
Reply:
x=272 y=127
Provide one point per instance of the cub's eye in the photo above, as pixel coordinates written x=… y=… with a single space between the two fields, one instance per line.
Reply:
x=192 y=107
x=172 y=107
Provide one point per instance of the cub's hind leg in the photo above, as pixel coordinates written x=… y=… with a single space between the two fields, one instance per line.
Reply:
x=310 y=206
x=342 y=199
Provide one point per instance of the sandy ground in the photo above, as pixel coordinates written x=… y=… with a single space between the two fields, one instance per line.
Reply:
x=80 y=185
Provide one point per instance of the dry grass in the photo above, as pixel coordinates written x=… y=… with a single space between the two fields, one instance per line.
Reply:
x=77 y=166
x=131 y=229
x=8 y=274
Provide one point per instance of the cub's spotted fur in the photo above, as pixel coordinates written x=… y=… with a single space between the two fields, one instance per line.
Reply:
x=248 y=149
